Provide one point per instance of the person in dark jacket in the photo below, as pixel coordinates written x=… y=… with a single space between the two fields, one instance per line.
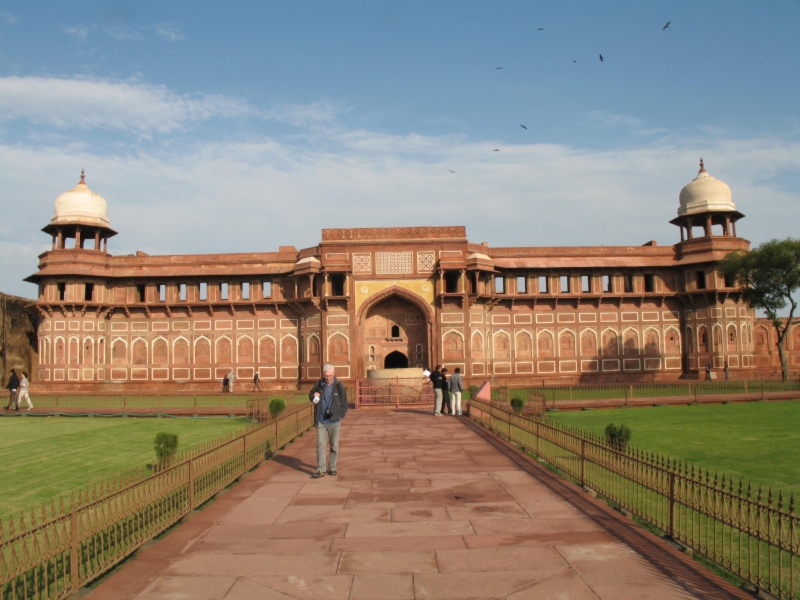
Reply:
x=330 y=399
x=437 y=379
x=446 y=395
x=12 y=386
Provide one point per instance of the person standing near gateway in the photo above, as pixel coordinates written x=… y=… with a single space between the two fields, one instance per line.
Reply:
x=23 y=392
x=12 y=386
x=456 y=387
x=231 y=379
x=255 y=382
x=437 y=379
x=330 y=399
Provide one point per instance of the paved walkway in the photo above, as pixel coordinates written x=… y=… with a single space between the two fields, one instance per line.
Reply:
x=422 y=508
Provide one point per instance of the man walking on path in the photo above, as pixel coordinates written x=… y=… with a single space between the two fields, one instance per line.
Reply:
x=330 y=398
x=437 y=379
x=456 y=387
x=12 y=386
x=23 y=392
x=255 y=382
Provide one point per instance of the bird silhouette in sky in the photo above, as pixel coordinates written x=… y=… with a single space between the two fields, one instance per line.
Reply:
x=498 y=68
x=540 y=29
x=523 y=126
x=495 y=150
x=601 y=58
x=574 y=61
x=667 y=25
x=451 y=171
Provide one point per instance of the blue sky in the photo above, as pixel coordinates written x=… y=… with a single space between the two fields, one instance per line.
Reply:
x=241 y=126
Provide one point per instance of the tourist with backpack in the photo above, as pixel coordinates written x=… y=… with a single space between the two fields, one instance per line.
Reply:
x=12 y=386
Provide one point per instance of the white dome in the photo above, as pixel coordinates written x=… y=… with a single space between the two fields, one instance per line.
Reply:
x=81 y=205
x=704 y=194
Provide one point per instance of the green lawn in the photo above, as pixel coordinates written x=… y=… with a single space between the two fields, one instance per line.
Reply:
x=757 y=441
x=46 y=456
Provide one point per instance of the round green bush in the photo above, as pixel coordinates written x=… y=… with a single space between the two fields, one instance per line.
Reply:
x=518 y=404
x=166 y=446
x=276 y=407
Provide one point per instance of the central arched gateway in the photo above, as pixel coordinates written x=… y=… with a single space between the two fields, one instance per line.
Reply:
x=393 y=332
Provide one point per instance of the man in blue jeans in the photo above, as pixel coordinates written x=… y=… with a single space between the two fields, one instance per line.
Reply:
x=330 y=399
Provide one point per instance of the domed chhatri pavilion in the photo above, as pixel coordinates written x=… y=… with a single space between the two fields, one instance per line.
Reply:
x=367 y=299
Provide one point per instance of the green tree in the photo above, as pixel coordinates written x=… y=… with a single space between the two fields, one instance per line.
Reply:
x=276 y=407
x=166 y=446
x=768 y=275
x=618 y=437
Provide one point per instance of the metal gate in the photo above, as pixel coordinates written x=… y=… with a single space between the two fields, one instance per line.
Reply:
x=394 y=392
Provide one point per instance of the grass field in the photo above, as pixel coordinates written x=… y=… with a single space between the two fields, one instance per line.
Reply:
x=757 y=441
x=46 y=456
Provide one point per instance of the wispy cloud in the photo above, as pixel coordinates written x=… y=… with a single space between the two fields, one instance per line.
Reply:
x=80 y=31
x=115 y=105
x=602 y=119
x=9 y=18
x=169 y=32
x=123 y=33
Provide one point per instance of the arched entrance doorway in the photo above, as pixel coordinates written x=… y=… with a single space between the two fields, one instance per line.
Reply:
x=395 y=360
x=393 y=333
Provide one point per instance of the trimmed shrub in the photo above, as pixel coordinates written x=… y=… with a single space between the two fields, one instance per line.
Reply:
x=276 y=407
x=518 y=404
x=618 y=437
x=166 y=446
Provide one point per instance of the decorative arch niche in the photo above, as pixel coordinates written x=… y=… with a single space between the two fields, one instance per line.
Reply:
x=702 y=339
x=610 y=343
x=544 y=344
x=60 y=351
x=74 y=350
x=338 y=348
x=244 y=350
x=223 y=348
x=266 y=350
x=477 y=345
x=588 y=343
x=630 y=341
x=289 y=349
x=139 y=352
x=453 y=345
x=313 y=349
x=88 y=351
x=119 y=352
x=524 y=345
x=180 y=352
x=502 y=345
x=566 y=344
x=160 y=351
x=652 y=344
x=672 y=341
x=733 y=341
x=202 y=351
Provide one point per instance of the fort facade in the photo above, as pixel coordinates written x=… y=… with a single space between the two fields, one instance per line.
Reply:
x=390 y=297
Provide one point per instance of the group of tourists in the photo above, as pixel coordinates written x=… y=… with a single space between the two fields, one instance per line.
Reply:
x=446 y=390
x=18 y=390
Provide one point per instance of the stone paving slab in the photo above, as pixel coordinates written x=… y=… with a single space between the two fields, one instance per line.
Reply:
x=422 y=508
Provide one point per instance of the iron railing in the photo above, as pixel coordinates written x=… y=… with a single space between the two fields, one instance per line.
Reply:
x=753 y=534
x=52 y=556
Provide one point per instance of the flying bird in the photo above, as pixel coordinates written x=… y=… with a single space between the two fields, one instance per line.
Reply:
x=574 y=61
x=495 y=150
x=523 y=126
x=665 y=26
x=601 y=58
x=540 y=29
x=498 y=68
x=451 y=170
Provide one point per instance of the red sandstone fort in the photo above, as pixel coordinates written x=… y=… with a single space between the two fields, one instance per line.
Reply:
x=393 y=297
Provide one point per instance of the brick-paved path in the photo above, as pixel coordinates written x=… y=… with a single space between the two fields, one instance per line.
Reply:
x=423 y=507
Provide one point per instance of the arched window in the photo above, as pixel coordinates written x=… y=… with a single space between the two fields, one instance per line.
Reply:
x=761 y=340
x=717 y=338
x=288 y=350
x=119 y=352
x=74 y=348
x=395 y=331
x=732 y=341
x=702 y=339
x=101 y=352
x=223 y=350
x=671 y=341
x=338 y=348
x=477 y=345
x=372 y=353
x=60 y=351
x=88 y=352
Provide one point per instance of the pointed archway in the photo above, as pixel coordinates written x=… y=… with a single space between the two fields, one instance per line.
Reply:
x=395 y=360
x=394 y=331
